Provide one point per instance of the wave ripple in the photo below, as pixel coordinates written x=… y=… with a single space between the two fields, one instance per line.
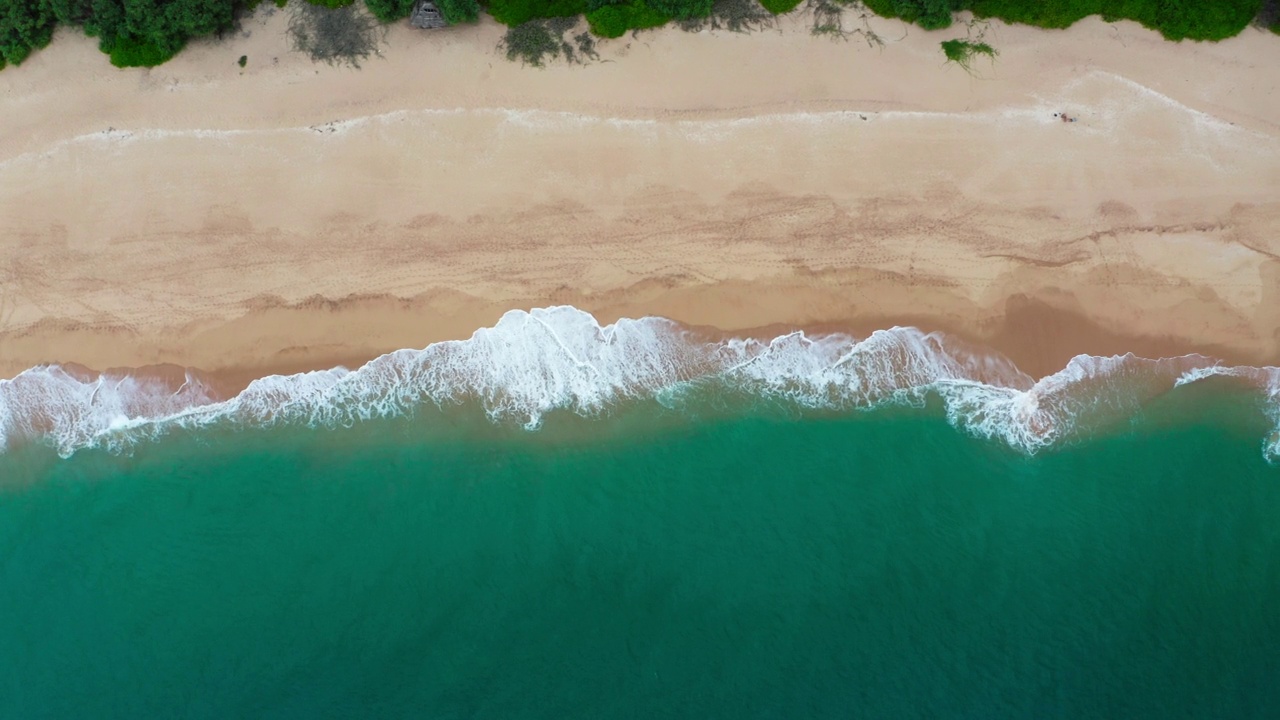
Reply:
x=531 y=363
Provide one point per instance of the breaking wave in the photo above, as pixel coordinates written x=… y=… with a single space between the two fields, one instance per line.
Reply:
x=531 y=363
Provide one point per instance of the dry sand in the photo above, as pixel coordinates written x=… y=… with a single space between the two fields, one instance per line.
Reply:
x=292 y=215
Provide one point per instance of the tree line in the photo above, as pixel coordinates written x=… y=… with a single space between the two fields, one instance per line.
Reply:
x=149 y=32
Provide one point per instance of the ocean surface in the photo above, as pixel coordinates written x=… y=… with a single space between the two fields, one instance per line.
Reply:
x=557 y=519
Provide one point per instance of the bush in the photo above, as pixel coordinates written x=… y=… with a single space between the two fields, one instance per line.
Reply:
x=389 y=10
x=779 y=7
x=518 y=12
x=343 y=35
x=25 y=25
x=537 y=41
x=1175 y=19
x=1268 y=17
x=928 y=14
x=613 y=21
x=332 y=4
x=134 y=34
x=732 y=15
x=131 y=52
x=531 y=42
x=962 y=52
x=455 y=12
x=682 y=9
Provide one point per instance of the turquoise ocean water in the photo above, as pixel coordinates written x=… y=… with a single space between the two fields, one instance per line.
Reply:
x=747 y=561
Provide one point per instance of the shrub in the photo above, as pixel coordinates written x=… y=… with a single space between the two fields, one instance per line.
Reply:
x=343 y=35
x=455 y=12
x=132 y=52
x=1175 y=19
x=962 y=52
x=613 y=21
x=1268 y=16
x=25 y=25
x=531 y=42
x=732 y=15
x=779 y=7
x=928 y=14
x=331 y=4
x=518 y=12
x=682 y=9
x=389 y=10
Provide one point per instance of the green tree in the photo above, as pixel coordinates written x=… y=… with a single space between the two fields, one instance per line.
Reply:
x=25 y=25
x=613 y=21
x=928 y=14
x=148 y=32
x=682 y=9
x=389 y=10
x=519 y=12
x=71 y=12
x=459 y=11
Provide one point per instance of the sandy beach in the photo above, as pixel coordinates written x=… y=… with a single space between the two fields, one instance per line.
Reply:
x=290 y=215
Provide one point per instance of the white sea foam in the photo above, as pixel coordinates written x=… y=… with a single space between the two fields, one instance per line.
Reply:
x=531 y=363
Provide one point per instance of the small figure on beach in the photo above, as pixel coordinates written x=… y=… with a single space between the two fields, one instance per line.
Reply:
x=1065 y=117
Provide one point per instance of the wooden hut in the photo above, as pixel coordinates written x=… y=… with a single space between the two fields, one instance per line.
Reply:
x=426 y=15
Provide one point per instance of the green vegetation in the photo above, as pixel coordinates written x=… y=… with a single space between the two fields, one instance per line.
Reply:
x=779 y=7
x=962 y=52
x=343 y=35
x=1269 y=16
x=829 y=16
x=611 y=21
x=536 y=41
x=928 y=14
x=732 y=15
x=149 y=32
x=456 y=12
x=132 y=32
x=518 y=12
x=531 y=42
x=682 y=9
x=390 y=10
x=1175 y=19
x=24 y=26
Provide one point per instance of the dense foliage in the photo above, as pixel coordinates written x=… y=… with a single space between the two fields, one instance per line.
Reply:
x=928 y=14
x=341 y=35
x=132 y=32
x=390 y=10
x=519 y=12
x=1175 y=19
x=779 y=7
x=148 y=32
x=459 y=11
x=613 y=21
x=24 y=26
x=962 y=52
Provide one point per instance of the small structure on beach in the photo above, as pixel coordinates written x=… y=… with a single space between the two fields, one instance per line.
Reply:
x=426 y=15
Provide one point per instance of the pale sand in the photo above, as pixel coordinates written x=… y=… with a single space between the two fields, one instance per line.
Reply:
x=293 y=215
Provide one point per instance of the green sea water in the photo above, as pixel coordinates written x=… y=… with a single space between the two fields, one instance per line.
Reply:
x=871 y=565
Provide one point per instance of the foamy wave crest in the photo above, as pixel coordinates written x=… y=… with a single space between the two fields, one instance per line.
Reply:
x=531 y=363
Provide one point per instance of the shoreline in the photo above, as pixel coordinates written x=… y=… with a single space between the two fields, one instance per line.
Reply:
x=1038 y=339
x=737 y=182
